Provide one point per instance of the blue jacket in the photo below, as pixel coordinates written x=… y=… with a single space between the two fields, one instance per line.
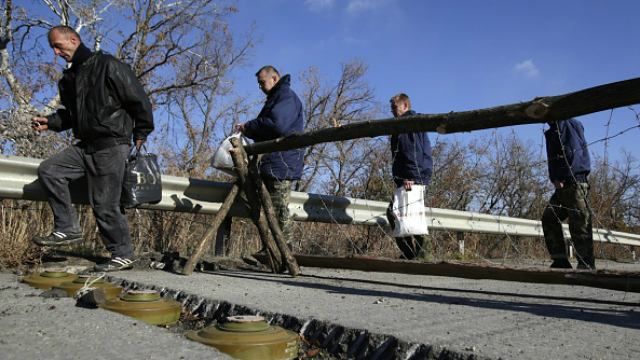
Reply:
x=567 y=152
x=411 y=157
x=280 y=116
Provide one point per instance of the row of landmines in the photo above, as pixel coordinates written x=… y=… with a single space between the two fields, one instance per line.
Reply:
x=243 y=337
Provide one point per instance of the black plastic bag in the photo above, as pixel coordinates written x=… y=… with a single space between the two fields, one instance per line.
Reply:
x=142 y=180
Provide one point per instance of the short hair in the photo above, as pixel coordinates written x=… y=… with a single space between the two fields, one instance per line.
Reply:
x=64 y=29
x=269 y=69
x=401 y=97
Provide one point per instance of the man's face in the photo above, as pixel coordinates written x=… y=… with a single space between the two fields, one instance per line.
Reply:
x=63 y=45
x=398 y=108
x=266 y=81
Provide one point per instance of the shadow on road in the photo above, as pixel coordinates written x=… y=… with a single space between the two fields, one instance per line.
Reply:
x=620 y=318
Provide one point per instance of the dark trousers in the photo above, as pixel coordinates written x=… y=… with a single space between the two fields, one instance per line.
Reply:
x=569 y=202
x=414 y=246
x=104 y=171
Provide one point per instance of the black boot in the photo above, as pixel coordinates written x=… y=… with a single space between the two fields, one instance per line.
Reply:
x=561 y=264
x=586 y=264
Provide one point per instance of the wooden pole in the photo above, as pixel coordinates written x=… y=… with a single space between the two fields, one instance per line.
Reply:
x=622 y=281
x=213 y=229
x=276 y=231
x=538 y=110
x=257 y=215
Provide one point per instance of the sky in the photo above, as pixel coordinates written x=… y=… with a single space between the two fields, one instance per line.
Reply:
x=457 y=55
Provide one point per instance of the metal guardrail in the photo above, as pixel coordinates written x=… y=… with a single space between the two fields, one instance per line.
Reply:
x=18 y=180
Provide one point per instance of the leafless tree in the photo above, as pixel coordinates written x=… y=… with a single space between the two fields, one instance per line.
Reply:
x=513 y=179
x=614 y=191
x=350 y=99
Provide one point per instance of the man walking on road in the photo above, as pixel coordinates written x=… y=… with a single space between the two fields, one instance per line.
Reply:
x=569 y=165
x=106 y=107
x=280 y=116
x=412 y=168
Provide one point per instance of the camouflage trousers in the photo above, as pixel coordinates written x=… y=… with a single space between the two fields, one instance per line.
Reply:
x=569 y=202
x=280 y=191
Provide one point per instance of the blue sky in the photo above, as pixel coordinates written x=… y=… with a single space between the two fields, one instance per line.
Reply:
x=457 y=55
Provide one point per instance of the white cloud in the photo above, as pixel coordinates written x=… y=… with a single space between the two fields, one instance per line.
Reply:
x=356 y=6
x=528 y=68
x=318 y=5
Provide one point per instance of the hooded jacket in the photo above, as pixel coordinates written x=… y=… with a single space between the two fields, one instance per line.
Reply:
x=280 y=116
x=411 y=157
x=567 y=153
x=104 y=103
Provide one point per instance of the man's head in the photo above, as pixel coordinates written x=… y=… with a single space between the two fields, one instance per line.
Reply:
x=268 y=77
x=64 y=41
x=400 y=104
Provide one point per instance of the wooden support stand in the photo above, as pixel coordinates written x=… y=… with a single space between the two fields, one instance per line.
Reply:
x=213 y=229
x=263 y=214
x=276 y=231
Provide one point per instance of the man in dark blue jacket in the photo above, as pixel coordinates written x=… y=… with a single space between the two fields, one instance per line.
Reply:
x=412 y=167
x=569 y=165
x=280 y=116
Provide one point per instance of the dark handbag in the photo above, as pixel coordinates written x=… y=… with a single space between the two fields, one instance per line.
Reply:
x=142 y=179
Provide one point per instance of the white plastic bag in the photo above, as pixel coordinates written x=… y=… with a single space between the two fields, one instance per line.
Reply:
x=409 y=212
x=222 y=160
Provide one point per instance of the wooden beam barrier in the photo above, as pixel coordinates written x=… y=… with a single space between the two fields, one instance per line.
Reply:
x=605 y=279
x=539 y=110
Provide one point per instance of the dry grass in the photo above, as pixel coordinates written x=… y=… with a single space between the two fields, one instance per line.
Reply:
x=167 y=231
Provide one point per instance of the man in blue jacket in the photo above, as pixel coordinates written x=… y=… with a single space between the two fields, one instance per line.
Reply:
x=280 y=116
x=569 y=165
x=412 y=167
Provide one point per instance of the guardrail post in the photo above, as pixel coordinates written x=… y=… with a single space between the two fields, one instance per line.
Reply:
x=571 y=252
x=460 y=237
x=221 y=246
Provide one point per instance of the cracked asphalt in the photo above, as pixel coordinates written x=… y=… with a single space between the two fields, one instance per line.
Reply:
x=485 y=318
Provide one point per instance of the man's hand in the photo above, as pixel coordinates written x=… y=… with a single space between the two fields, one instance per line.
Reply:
x=239 y=127
x=39 y=123
x=558 y=184
x=407 y=184
x=139 y=143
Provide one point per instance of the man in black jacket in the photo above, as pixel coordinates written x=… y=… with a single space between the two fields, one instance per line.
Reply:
x=280 y=116
x=106 y=108
x=411 y=169
x=569 y=165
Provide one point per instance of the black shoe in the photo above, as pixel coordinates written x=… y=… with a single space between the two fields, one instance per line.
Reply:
x=561 y=264
x=115 y=264
x=57 y=238
x=586 y=265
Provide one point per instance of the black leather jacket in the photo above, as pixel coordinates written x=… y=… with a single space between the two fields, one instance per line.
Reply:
x=104 y=103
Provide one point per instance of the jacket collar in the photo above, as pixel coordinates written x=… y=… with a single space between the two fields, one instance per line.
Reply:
x=408 y=113
x=283 y=83
x=80 y=56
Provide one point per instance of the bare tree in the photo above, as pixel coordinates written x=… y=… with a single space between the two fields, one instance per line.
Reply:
x=614 y=191
x=348 y=100
x=514 y=180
